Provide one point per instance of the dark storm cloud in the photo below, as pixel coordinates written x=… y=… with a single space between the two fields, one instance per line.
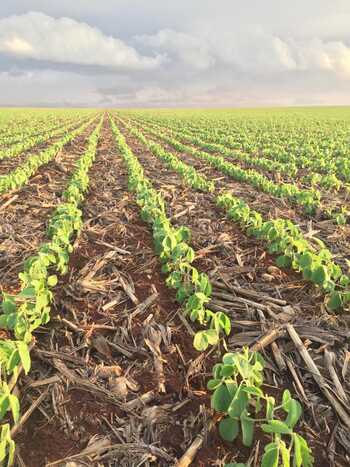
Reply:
x=174 y=53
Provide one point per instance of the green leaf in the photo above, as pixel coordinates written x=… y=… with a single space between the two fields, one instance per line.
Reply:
x=213 y=384
x=335 y=301
x=14 y=405
x=11 y=321
x=220 y=322
x=24 y=355
x=286 y=399
x=294 y=413
x=221 y=399
x=227 y=370
x=229 y=429
x=302 y=452
x=203 y=339
x=277 y=427
x=229 y=358
x=28 y=292
x=247 y=424
x=181 y=294
x=4 y=405
x=238 y=403
x=3 y=445
x=204 y=284
x=52 y=281
x=253 y=391
x=217 y=370
x=3 y=321
x=11 y=451
x=270 y=405
x=8 y=304
x=283 y=261
x=319 y=275
x=12 y=361
x=270 y=457
x=305 y=260
x=307 y=273
x=285 y=454
x=231 y=387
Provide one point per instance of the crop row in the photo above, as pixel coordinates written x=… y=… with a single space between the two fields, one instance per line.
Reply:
x=188 y=173
x=283 y=237
x=204 y=141
x=309 y=199
x=20 y=176
x=26 y=123
x=34 y=128
x=285 y=145
x=27 y=310
x=288 y=166
x=237 y=380
x=193 y=288
x=287 y=136
x=31 y=141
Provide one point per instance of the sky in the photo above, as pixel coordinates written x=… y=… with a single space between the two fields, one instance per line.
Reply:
x=183 y=53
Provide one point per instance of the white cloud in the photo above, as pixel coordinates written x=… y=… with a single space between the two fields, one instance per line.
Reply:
x=317 y=54
x=64 y=40
x=249 y=50
x=186 y=53
x=18 y=46
x=189 y=49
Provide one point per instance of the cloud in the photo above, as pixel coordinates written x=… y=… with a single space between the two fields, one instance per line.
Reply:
x=46 y=87
x=331 y=56
x=187 y=48
x=250 y=50
x=64 y=40
x=129 y=52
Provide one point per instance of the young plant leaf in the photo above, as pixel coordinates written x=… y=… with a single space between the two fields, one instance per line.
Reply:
x=247 y=425
x=271 y=456
x=23 y=351
x=229 y=429
x=276 y=427
x=294 y=413
x=221 y=399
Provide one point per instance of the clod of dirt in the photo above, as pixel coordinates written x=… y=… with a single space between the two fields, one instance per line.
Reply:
x=224 y=238
x=101 y=345
x=73 y=464
x=273 y=270
x=267 y=277
x=119 y=386
x=106 y=372
x=156 y=414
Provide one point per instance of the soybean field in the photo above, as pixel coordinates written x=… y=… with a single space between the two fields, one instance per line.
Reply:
x=175 y=287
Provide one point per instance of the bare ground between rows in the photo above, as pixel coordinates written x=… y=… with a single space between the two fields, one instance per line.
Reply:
x=236 y=263
x=117 y=314
x=24 y=221
x=337 y=238
x=9 y=164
